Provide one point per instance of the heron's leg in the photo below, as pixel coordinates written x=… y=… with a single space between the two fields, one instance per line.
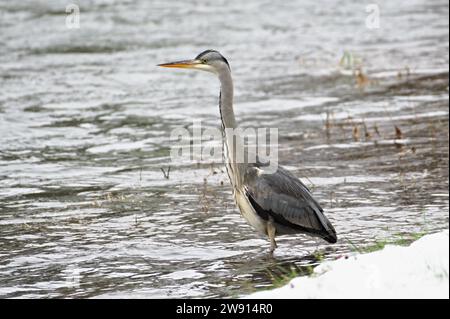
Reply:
x=271 y=233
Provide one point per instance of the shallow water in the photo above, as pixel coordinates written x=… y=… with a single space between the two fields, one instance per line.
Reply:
x=85 y=122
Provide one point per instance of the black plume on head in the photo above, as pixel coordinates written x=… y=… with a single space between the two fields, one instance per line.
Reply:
x=212 y=51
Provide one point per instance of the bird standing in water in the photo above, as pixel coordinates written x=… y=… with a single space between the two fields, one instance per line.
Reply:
x=274 y=203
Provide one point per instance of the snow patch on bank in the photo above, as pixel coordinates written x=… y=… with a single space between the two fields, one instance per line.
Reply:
x=417 y=271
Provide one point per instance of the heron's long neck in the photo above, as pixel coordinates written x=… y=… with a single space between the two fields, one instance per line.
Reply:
x=226 y=100
x=232 y=142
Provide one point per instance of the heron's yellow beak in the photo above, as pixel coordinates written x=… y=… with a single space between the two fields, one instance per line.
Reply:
x=187 y=64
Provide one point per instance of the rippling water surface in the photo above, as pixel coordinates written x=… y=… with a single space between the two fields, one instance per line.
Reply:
x=85 y=122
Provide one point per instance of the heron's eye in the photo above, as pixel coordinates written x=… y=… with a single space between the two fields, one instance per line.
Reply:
x=203 y=61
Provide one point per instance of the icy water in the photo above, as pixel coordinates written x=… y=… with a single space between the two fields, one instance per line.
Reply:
x=85 y=122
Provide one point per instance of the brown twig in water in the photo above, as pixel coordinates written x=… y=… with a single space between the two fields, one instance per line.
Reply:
x=375 y=127
x=398 y=133
x=355 y=133
x=398 y=136
x=367 y=134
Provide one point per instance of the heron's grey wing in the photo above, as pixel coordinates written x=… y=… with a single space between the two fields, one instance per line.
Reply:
x=284 y=198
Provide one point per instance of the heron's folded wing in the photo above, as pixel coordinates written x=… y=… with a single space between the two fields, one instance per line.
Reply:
x=288 y=201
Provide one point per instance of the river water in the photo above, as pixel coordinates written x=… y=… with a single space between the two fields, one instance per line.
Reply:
x=86 y=117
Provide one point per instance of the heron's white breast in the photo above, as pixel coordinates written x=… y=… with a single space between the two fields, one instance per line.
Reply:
x=249 y=213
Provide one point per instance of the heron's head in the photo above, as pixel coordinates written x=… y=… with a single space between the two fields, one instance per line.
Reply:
x=209 y=60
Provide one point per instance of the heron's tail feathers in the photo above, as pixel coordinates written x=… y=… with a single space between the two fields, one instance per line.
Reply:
x=329 y=233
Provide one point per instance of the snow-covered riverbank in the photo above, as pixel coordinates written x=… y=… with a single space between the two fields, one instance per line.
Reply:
x=420 y=270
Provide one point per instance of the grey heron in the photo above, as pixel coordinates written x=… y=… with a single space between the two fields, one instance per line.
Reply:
x=274 y=203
